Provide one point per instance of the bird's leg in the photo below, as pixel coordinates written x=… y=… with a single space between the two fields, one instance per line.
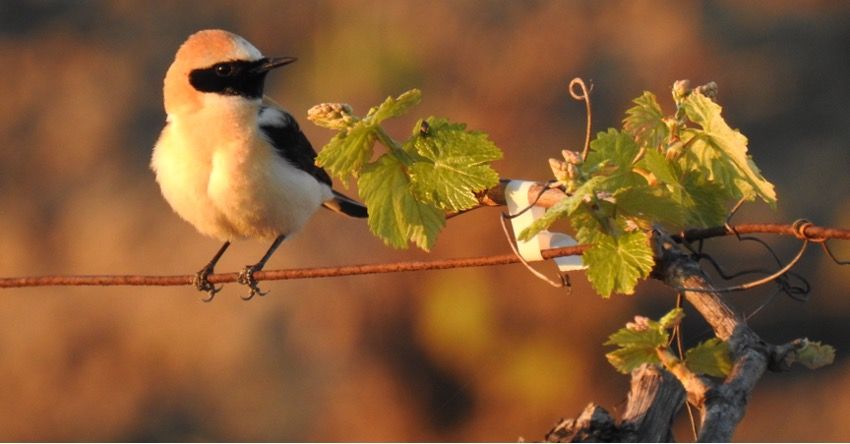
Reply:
x=201 y=283
x=246 y=276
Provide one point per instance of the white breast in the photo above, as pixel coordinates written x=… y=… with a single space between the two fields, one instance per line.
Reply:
x=227 y=180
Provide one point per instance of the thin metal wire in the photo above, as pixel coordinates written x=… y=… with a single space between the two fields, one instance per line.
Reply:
x=531 y=205
x=752 y=284
x=781 y=277
x=825 y=246
x=564 y=282
x=792 y=291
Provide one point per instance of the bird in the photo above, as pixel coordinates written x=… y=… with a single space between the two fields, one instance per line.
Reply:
x=231 y=162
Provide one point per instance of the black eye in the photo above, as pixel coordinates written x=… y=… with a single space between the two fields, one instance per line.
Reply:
x=224 y=69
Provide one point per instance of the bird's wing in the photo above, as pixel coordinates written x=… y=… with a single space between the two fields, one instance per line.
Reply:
x=282 y=131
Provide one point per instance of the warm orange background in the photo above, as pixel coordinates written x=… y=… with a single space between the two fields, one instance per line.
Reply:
x=480 y=354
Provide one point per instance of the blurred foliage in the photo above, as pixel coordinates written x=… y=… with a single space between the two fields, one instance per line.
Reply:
x=381 y=357
x=444 y=317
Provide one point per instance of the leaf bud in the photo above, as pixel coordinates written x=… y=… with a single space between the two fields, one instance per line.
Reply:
x=572 y=171
x=571 y=157
x=336 y=116
x=641 y=323
x=559 y=170
x=709 y=90
x=681 y=89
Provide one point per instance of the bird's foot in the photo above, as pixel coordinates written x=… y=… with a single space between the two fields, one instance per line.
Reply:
x=201 y=283
x=246 y=277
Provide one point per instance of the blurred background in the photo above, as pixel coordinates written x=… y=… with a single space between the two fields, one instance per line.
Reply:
x=465 y=355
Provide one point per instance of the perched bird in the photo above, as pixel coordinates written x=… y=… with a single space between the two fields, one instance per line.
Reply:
x=232 y=163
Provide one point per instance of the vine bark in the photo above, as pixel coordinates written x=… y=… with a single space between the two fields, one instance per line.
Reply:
x=721 y=403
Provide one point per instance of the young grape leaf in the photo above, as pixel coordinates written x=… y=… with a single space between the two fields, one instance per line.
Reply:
x=672 y=318
x=409 y=188
x=617 y=263
x=626 y=359
x=620 y=180
x=703 y=201
x=731 y=147
x=348 y=151
x=638 y=341
x=660 y=167
x=394 y=107
x=709 y=358
x=814 y=354
x=453 y=164
x=614 y=147
x=587 y=225
x=650 y=204
x=352 y=147
x=704 y=159
x=394 y=215
x=645 y=121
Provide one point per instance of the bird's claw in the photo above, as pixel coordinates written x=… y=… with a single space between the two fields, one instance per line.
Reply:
x=246 y=277
x=201 y=283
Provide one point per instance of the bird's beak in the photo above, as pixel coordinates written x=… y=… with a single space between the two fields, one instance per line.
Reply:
x=271 y=63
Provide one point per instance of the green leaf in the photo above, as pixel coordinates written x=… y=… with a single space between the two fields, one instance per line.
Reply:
x=453 y=164
x=587 y=225
x=704 y=159
x=394 y=214
x=379 y=186
x=710 y=358
x=423 y=221
x=621 y=180
x=703 y=201
x=627 y=359
x=645 y=121
x=614 y=147
x=658 y=165
x=814 y=354
x=639 y=341
x=348 y=151
x=558 y=211
x=394 y=107
x=617 y=263
x=563 y=208
x=650 y=204
x=672 y=318
x=730 y=145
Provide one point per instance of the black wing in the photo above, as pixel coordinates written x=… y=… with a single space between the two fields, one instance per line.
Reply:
x=281 y=129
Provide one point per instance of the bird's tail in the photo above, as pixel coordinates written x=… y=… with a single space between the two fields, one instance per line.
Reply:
x=346 y=205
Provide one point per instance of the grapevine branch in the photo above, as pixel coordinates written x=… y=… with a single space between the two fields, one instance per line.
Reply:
x=543 y=194
x=722 y=404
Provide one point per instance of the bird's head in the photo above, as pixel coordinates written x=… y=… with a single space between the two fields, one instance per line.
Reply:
x=213 y=64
